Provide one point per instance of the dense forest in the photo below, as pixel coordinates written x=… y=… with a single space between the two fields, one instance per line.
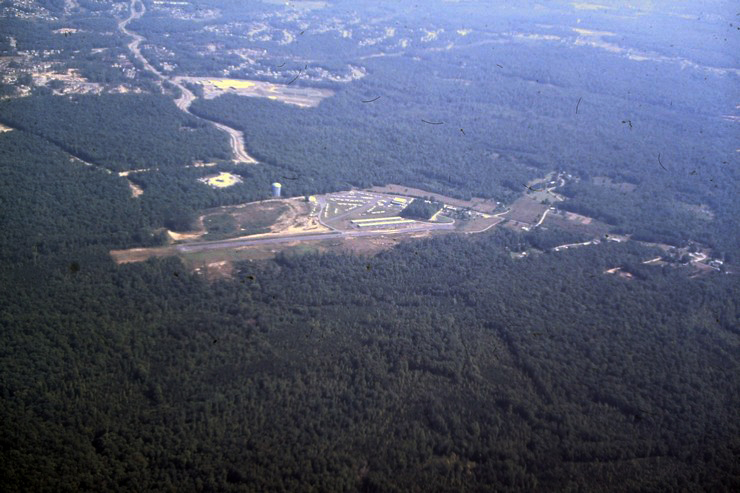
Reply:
x=118 y=131
x=439 y=365
x=452 y=363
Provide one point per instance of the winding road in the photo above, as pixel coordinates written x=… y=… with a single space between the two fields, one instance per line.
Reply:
x=236 y=138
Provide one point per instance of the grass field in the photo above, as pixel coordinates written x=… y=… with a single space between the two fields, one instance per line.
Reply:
x=243 y=220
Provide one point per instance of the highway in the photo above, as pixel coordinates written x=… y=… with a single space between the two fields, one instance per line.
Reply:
x=236 y=138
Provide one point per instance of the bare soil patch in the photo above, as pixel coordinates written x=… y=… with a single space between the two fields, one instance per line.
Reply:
x=297 y=219
x=140 y=254
x=184 y=236
x=136 y=190
x=304 y=97
x=479 y=224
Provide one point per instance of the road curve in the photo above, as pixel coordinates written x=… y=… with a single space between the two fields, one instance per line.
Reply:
x=236 y=138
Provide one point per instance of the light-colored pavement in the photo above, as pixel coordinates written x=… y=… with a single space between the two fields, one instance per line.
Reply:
x=236 y=138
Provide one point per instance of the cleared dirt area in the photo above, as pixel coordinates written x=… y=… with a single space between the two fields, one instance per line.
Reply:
x=572 y=216
x=298 y=219
x=218 y=269
x=369 y=246
x=305 y=97
x=221 y=180
x=185 y=236
x=527 y=210
x=265 y=219
x=478 y=204
x=136 y=190
x=617 y=271
x=280 y=217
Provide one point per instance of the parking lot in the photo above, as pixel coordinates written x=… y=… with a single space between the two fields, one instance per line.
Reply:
x=362 y=210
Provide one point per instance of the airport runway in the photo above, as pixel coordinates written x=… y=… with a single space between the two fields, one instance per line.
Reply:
x=235 y=243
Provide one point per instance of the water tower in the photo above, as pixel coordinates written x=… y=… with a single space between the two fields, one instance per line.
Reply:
x=276 y=189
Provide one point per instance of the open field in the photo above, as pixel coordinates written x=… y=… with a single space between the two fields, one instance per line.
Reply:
x=526 y=210
x=359 y=221
x=576 y=223
x=140 y=254
x=73 y=82
x=479 y=224
x=305 y=97
x=258 y=220
x=355 y=220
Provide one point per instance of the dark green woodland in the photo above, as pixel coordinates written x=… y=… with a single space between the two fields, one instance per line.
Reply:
x=482 y=362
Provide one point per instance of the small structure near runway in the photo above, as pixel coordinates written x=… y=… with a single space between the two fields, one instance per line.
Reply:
x=384 y=221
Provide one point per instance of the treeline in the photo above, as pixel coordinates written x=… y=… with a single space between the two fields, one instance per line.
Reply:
x=118 y=131
x=38 y=35
x=440 y=365
x=343 y=141
x=52 y=205
x=421 y=209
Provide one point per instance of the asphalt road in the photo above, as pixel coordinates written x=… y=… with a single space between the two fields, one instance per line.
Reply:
x=236 y=138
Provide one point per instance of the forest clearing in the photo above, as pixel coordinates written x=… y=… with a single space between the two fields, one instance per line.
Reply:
x=304 y=97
